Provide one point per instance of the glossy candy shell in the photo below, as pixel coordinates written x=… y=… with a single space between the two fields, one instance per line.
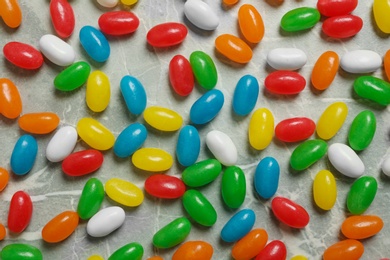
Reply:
x=39 y=123
x=361 y=227
x=73 y=76
x=295 y=129
x=331 y=120
x=203 y=68
x=118 y=23
x=20 y=212
x=164 y=186
x=124 y=192
x=23 y=55
x=233 y=187
x=361 y=194
x=199 y=208
x=133 y=251
x=290 y=213
x=284 y=82
x=250 y=245
x=82 y=162
x=251 y=23
x=299 y=19
x=62 y=17
x=201 y=173
x=266 y=179
x=94 y=43
x=60 y=227
x=325 y=70
x=222 y=147
x=324 y=190
x=24 y=155
x=233 y=48
x=307 y=153
x=381 y=11
x=152 y=159
x=11 y=13
x=91 y=198
x=163 y=119
x=188 y=146
x=134 y=94
x=372 y=88
x=345 y=160
x=61 y=144
x=181 y=76
x=98 y=91
x=261 y=128
x=172 y=234
x=245 y=95
x=130 y=140
x=20 y=251
x=201 y=15
x=207 y=107
x=342 y=26
x=274 y=250
x=193 y=250
x=346 y=249
x=238 y=225
x=4 y=178
x=362 y=130
x=166 y=34
x=106 y=221
x=95 y=134
x=10 y=100
x=336 y=7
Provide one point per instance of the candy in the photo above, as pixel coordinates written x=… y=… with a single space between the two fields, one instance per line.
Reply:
x=60 y=227
x=82 y=162
x=336 y=7
x=307 y=153
x=299 y=257
x=152 y=159
x=201 y=15
x=266 y=179
x=261 y=129
x=11 y=13
x=362 y=130
x=207 y=107
x=188 y=146
x=299 y=19
x=61 y=144
x=95 y=134
x=129 y=2
x=324 y=190
x=23 y=55
x=201 y=173
x=73 y=76
x=199 y=208
x=91 y=198
x=372 y=88
x=274 y=250
x=20 y=251
x=124 y=192
x=345 y=160
x=95 y=257
x=105 y=221
x=230 y=2
x=381 y=11
x=39 y=123
x=331 y=120
x=62 y=17
x=346 y=249
x=118 y=23
x=4 y=178
x=238 y=225
x=156 y=257
x=284 y=82
x=133 y=251
x=20 y=212
x=98 y=91
x=245 y=95
x=361 y=194
x=94 y=43
x=361 y=227
x=289 y=212
x=166 y=34
x=286 y=58
x=134 y=94
x=24 y=155
x=233 y=187
x=164 y=186
x=181 y=76
x=342 y=26
x=251 y=23
x=295 y=129
x=250 y=245
x=385 y=166
x=3 y=232
x=56 y=50
x=325 y=70
x=386 y=64
x=222 y=147
x=108 y=3
x=130 y=140
x=233 y=48
x=10 y=101
x=361 y=61
x=173 y=233
x=163 y=119
x=203 y=68
x=192 y=250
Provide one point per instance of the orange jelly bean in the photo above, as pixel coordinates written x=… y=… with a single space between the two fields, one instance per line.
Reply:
x=156 y=257
x=361 y=227
x=347 y=249
x=233 y=48
x=60 y=227
x=230 y=2
x=3 y=232
x=325 y=70
x=251 y=23
x=250 y=245
x=4 y=178
x=11 y=13
x=386 y=64
x=10 y=101
x=39 y=123
x=193 y=250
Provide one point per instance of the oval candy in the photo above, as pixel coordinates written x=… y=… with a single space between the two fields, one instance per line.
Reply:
x=20 y=251
x=284 y=82
x=23 y=55
x=4 y=178
x=331 y=120
x=166 y=34
x=360 y=61
x=266 y=179
x=261 y=129
x=60 y=227
x=345 y=160
x=251 y=23
x=163 y=119
x=152 y=159
x=325 y=70
x=250 y=245
x=295 y=129
x=194 y=250
x=201 y=15
x=245 y=95
x=233 y=48
x=336 y=7
x=39 y=123
x=324 y=190
x=361 y=194
x=56 y=50
x=98 y=91
x=238 y=225
x=307 y=153
x=130 y=140
x=10 y=100
x=173 y=233
x=164 y=186
x=133 y=251
x=94 y=43
x=134 y=94
x=203 y=68
x=181 y=76
x=362 y=130
x=82 y=162
x=199 y=208
x=341 y=27
x=207 y=107
x=233 y=187
x=62 y=17
x=222 y=147
x=95 y=134
x=286 y=58
x=289 y=212
x=105 y=221
x=385 y=166
x=381 y=10
x=372 y=88
x=361 y=227
x=201 y=173
x=91 y=198
x=275 y=249
x=108 y=3
x=24 y=154
x=73 y=76
x=299 y=19
x=118 y=23
x=346 y=249
x=124 y=192
x=11 y=13
x=20 y=212
x=188 y=146
x=61 y=144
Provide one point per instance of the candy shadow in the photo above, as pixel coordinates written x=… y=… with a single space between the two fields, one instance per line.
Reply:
x=227 y=61
x=168 y=49
x=331 y=40
x=198 y=31
x=274 y=3
x=273 y=97
x=377 y=31
x=284 y=33
x=8 y=29
x=17 y=71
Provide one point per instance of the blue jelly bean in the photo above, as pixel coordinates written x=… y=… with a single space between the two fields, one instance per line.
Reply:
x=188 y=146
x=94 y=43
x=238 y=226
x=134 y=94
x=267 y=177
x=130 y=140
x=245 y=95
x=24 y=154
x=207 y=107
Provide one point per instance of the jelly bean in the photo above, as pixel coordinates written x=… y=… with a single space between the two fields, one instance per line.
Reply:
x=250 y=245
x=108 y=3
x=11 y=13
x=172 y=234
x=345 y=160
x=361 y=61
x=324 y=190
x=245 y=95
x=201 y=173
x=299 y=19
x=3 y=232
x=207 y=107
x=295 y=129
x=222 y=147
x=251 y=23
x=233 y=48
x=325 y=70
x=299 y=257
x=4 y=178
x=336 y=7
x=362 y=130
x=261 y=129
x=10 y=101
x=23 y=55
x=238 y=225
x=372 y=88
x=274 y=250
x=105 y=221
x=98 y=91
x=62 y=17
x=152 y=159
x=381 y=11
x=163 y=119
x=91 y=198
x=203 y=68
x=386 y=64
x=60 y=227
x=94 y=43
x=134 y=94
x=24 y=155
x=56 y=50
x=39 y=123
x=130 y=140
x=181 y=76
x=233 y=187
x=61 y=144
x=118 y=23
x=20 y=251
x=95 y=134
x=201 y=15
x=199 y=208
x=156 y=257
x=129 y=2
x=284 y=82
x=307 y=153
x=289 y=212
x=286 y=58
x=342 y=26
x=331 y=120
x=385 y=166
x=167 y=34
x=230 y=2
x=129 y=251
x=361 y=227
x=82 y=162
x=164 y=186
x=73 y=76
x=266 y=179
x=124 y=192
x=95 y=257
x=20 y=212
x=188 y=146
x=361 y=194
x=192 y=250
x=346 y=249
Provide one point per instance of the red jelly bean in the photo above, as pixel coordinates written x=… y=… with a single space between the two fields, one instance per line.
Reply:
x=289 y=212
x=336 y=7
x=62 y=17
x=295 y=129
x=275 y=250
x=284 y=82
x=167 y=34
x=342 y=26
x=118 y=23
x=82 y=162
x=20 y=212
x=164 y=186
x=23 y=55
x=181 y=76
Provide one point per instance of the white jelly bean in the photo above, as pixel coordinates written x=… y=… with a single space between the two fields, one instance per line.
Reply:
x=106 y=221
x=201 y=15
x=361 y=61
x=286 y=58
x=345 y=160
x=56 y=50
x=108 y=3
x=386 y=166
x=222 y=147
x=61 y=144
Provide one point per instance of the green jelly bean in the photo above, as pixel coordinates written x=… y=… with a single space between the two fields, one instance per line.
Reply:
x=73 y=76
x=299 y=19
x=91 y=198
x=373 y=88
x=308 y=153
x=204 y=69
x=20 y=251
x=172 y=234
x=201 y=173
x=199 y=208
x=132 y=251
x=233 y=187
x=362 y=130
x=361 y=194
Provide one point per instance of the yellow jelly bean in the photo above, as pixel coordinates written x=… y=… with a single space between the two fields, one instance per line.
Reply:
x=98 y=91
x=331 y=120
x=261 y=128
x=299 y=257
x=324 y=190
x=381 y=9
x=152 y=159
x=95 y=134
x=124 y=192
x=129 y=2
x=95 y=257
x=163 y=119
